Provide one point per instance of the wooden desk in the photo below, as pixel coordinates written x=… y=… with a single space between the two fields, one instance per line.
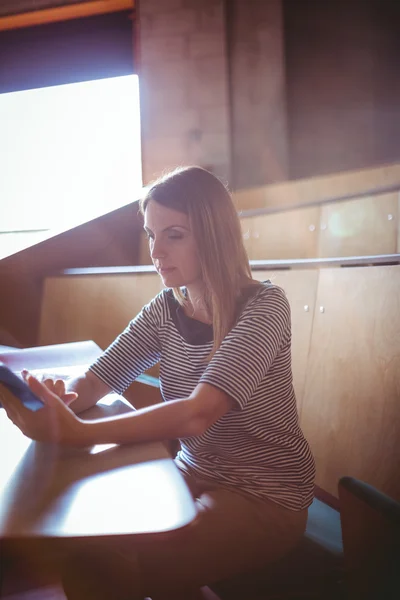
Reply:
x=48 y=491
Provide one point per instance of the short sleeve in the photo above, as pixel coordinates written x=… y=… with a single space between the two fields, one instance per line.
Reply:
x=249 y=350
x=136 y=349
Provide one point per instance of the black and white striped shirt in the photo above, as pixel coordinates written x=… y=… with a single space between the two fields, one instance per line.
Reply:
x=258 y=446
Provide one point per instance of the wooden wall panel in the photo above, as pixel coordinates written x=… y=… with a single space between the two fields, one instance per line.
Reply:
x=144 y=252
x=398 y=222
x=301 y=289
x=302 y=192
x=109 y=240
x=351 y=404
x=284 y=235
x=361 y=227
x=93 y=307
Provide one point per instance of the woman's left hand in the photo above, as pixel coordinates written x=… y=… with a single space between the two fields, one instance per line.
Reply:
x=55 y=422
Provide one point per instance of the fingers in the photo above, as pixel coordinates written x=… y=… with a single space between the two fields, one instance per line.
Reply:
x=47 y=395
x=57 y=386
x=70 y=397
x=46 y=379
x=42 y=391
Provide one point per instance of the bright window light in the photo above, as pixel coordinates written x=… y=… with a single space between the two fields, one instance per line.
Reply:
x=68 y=153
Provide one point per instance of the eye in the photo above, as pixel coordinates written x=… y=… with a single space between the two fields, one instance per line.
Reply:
x=175 y=236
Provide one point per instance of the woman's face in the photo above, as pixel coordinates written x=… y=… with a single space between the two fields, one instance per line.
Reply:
x=172 y=246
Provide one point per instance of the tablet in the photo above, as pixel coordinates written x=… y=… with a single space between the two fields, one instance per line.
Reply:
x=19 y=388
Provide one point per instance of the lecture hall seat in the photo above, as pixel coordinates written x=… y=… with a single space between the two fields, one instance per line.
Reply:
x=312 y=571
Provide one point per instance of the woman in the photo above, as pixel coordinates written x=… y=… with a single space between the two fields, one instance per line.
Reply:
x=223 y=341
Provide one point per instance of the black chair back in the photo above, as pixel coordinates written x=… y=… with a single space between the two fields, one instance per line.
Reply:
x=371 y=541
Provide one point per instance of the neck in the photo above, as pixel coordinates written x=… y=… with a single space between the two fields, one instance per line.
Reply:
x=196 y=306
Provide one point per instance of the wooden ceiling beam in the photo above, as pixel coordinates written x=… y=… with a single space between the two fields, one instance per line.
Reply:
x=64 y=13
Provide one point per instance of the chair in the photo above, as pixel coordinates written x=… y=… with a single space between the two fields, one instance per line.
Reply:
x=313 y=570
x=371 y=540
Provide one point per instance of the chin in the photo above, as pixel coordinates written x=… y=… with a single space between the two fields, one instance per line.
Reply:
x=172 y=280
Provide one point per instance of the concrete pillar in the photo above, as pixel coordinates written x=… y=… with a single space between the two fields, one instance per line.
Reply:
x=183 y=79
x=257 y=92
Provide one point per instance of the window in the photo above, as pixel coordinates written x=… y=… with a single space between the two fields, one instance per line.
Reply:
x=69 y=126
x=68 y=153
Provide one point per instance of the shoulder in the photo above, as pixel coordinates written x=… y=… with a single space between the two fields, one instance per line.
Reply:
x=157 y=308
x=266 y=298
x=265 y=292
x=161 y=299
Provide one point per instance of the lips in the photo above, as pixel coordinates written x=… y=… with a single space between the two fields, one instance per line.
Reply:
x=165 y=270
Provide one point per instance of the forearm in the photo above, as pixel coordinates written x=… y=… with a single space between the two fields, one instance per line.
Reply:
x=87 y=396
x=169 y=420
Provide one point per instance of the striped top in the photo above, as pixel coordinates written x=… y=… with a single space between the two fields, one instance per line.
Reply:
x=258 y=446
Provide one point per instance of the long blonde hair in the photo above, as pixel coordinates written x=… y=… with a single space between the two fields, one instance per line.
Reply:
x=216 y=229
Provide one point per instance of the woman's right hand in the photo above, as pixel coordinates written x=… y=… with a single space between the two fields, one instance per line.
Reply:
x=57 y=386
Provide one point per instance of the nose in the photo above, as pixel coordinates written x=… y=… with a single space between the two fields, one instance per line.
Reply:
x=157 y=250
